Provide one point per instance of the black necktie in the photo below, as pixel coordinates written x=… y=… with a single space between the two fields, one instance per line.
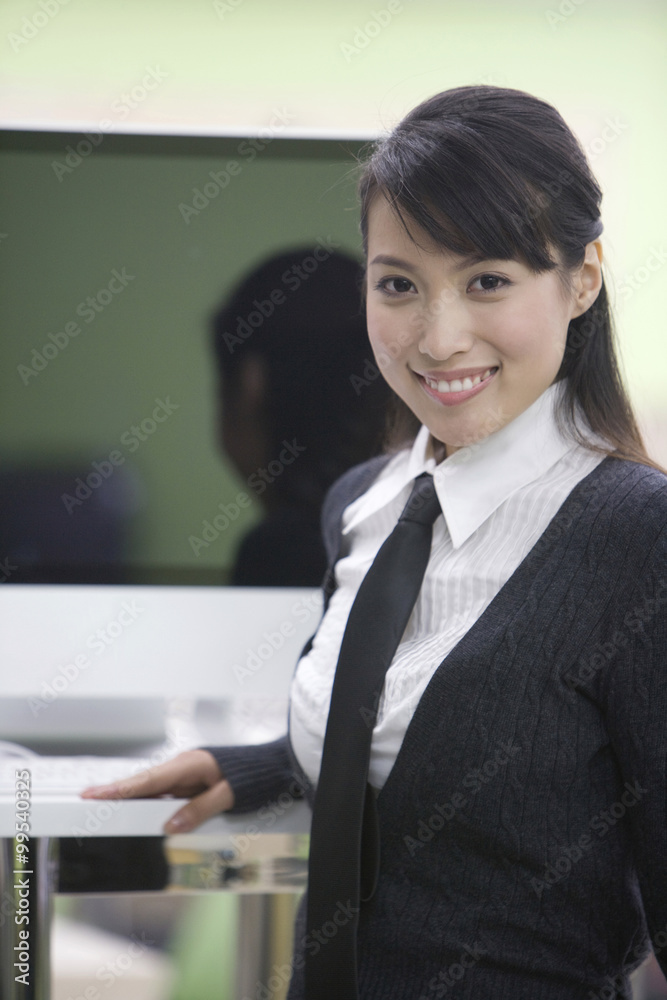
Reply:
x=344 y=824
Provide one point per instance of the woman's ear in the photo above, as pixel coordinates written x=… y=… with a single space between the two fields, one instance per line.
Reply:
x=588 y=279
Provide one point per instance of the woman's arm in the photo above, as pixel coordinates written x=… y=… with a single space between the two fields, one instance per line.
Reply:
x=234 y=779
x=258 y=774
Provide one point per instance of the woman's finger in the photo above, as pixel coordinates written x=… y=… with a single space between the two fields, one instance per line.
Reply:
x=202 y=807
x=187 y=774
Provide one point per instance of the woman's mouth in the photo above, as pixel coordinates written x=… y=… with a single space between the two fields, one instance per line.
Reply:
x=457 y=390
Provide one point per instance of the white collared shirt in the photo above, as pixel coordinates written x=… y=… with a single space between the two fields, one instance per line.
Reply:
x=497 y=498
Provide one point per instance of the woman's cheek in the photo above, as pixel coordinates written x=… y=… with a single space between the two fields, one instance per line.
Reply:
x=539 y=347
x=383 y=358
x=384 y=344
x=394 y=333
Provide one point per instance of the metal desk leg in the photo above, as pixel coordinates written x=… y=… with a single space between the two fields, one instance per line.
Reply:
x=26 y=892
x=265 y=933
x=253 y=943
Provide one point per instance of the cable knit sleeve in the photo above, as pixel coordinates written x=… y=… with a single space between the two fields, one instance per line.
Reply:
x=258 y=774
x=634 y=698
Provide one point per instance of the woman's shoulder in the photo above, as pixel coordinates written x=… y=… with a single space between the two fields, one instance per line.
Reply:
x=636 y=482
x=633 y=496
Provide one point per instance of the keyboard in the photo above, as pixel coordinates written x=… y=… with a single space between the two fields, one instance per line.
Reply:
x=66 y=775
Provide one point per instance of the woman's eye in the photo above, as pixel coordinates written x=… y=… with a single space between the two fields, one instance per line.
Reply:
x=394 y=286
x=490 y=282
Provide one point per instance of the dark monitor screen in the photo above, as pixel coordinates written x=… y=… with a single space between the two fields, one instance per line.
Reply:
x=117 y=251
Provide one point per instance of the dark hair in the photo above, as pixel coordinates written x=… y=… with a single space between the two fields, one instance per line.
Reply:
x=494 y=172
x=301 y=312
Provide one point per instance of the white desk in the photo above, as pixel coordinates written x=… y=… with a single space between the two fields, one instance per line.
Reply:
x=195 y=643
x=70 y=816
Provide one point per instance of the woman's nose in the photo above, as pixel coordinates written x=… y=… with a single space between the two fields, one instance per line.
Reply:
x=445 y=326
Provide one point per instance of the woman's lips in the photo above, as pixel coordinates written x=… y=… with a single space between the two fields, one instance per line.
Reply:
x=450 y=393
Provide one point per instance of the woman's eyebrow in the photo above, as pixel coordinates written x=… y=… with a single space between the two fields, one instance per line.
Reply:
x=384 y=258
x=468 y=261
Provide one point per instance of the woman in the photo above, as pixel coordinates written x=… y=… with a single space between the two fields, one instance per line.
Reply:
x=519 y=746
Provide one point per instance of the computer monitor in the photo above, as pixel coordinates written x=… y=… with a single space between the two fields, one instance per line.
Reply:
x=117 y=249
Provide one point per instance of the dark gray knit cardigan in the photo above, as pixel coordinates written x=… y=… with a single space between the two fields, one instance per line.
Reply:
x=523 y=827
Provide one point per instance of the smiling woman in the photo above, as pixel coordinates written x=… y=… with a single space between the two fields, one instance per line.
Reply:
x=512 y=188
x=487 y=683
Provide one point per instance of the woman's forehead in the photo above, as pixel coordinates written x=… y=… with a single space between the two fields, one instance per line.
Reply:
x=396 y=243
x=395 y=238
x=390 y=223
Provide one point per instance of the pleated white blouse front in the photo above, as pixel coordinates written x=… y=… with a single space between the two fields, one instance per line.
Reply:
x=497 y=498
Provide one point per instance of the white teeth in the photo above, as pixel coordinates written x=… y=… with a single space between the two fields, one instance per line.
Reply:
x=457 y=385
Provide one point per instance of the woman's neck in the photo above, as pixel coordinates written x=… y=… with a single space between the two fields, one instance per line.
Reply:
x=436 y=449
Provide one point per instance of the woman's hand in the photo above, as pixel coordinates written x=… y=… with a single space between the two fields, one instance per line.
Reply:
x=193 y=774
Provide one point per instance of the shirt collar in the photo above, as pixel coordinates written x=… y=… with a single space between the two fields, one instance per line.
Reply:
x=473 y=482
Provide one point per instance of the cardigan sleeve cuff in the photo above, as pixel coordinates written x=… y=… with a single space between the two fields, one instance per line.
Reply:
x=258 y=774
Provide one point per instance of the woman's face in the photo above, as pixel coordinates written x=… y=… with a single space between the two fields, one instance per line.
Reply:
x=468 y=346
